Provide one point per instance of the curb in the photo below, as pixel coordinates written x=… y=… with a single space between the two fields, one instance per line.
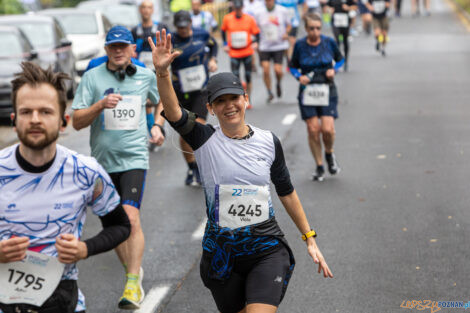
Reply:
x=461 y=13
x=462 y=10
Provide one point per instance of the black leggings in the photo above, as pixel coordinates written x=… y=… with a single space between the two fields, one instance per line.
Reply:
x=345 y=32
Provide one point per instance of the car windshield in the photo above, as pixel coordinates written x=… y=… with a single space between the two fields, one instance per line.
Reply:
x=122 y=15
x=13 y=43
x=127 y=15
x=78 y=23
x=41 y=35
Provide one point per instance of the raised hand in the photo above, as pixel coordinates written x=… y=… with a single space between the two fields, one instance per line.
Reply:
x=161 y=51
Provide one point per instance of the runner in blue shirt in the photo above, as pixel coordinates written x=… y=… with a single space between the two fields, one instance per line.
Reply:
x=318 y=58
x=190 y=74
x=147 y=28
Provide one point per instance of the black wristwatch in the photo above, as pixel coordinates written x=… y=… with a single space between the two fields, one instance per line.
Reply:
x=161 y=129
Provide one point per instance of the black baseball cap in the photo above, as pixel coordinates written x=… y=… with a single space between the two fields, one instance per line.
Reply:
x=182 y=18
x=237 y=4
x=223 y=84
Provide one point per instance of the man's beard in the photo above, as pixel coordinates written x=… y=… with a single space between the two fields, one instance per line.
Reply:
x=49 y=138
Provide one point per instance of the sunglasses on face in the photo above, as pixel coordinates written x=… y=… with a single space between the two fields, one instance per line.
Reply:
x=314 y=28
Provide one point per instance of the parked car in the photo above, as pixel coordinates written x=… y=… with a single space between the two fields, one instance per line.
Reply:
x=86 y=30
x=19 y=49
x=49 y=40
x=117 y=11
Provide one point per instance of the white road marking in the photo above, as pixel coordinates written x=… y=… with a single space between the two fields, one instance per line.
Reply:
x=152 y=299
x=199 y=232
x=289 y=119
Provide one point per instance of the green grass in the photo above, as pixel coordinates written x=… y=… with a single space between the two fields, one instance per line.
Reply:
x=465 y=4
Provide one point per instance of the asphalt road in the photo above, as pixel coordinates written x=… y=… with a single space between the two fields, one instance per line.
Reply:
x=393 y=225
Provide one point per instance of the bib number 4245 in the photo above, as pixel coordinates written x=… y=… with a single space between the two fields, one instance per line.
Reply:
x=241 y=210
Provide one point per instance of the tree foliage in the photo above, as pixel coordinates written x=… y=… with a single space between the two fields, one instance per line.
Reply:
x=11 y=7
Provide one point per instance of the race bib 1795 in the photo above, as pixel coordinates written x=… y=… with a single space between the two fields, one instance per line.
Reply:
x=31 y=281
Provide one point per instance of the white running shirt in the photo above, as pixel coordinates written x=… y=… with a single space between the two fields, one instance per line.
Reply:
x=273 y=26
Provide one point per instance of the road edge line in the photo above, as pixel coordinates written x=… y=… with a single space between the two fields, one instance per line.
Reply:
x=463 y=15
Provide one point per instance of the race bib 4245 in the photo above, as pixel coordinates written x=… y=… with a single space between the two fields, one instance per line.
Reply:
x=241 y=205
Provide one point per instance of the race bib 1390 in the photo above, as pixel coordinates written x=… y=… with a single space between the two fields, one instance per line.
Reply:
x=126 y=114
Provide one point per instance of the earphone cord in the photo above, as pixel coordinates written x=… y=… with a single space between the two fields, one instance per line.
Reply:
x=242 y=141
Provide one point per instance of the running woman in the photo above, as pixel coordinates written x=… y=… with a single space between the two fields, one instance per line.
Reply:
x=111 y=98
x=246 y=261
x=318 y=58
x=190 y=74
x=381 y=22
x=274 y=23
x=341 y=22
x=45 y=191
x=238 y=28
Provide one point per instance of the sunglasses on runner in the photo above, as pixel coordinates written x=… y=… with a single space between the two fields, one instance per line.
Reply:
x=314 y=28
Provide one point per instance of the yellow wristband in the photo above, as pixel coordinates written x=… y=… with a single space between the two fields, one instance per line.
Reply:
x=311 y=233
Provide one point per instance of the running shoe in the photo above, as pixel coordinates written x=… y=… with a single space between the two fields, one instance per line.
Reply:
x=383 y=53
x=333 y=166
x=278 y=90
x=152 y=147
x=270 y=96
x=318 y=175
x=133 y=294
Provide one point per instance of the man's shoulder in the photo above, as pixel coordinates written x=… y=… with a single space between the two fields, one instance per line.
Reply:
x=148 y=73
x=7 y=153
x=78 y=159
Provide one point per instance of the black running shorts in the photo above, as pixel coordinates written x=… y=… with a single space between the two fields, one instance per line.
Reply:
x=194 y=101
x=276 y=56
x=259 y=278
x=293 y=32
x=130 y=186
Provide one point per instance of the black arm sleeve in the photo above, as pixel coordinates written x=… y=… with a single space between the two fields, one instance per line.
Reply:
x=224 y=36
x=116 y=229
x=279 y=173
x=257 y=36
x=212 y=44
x=193 y=132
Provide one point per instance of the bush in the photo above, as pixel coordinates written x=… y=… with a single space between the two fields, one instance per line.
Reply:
x=465 y=4
x=11 y=7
